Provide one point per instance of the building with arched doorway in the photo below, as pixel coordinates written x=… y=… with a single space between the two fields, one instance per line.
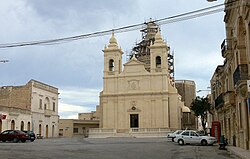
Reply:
x=13 y=117
x=33 y=106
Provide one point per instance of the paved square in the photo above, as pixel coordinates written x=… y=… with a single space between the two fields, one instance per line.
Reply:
x=109 y=148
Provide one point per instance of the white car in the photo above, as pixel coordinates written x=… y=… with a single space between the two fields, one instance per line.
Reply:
x=173 y=134
x=191 y=137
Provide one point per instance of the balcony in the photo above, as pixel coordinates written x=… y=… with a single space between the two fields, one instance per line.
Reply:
x=240 y=74
x=229 y=98
x=219 y=101
x=226 y=48
x=48 y=112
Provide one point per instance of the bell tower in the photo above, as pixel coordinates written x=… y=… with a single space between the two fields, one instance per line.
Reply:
x=112 y=58
x=158 y=55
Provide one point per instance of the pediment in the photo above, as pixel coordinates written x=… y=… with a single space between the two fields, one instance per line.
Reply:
x=134 y=61
x=134 y=66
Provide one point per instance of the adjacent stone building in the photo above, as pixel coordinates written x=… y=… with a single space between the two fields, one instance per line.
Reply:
x=76 y=127
x=187 y=90
x=33 y=106
x=94 y=115
x=229 y=88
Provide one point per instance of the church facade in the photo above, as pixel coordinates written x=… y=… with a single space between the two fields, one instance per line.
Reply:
x=139 y=94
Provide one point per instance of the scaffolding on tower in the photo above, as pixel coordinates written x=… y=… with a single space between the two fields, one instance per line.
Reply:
x=142 y=52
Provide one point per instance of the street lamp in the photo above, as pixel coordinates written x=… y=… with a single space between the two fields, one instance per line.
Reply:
x=201 y=90
x=4 y=61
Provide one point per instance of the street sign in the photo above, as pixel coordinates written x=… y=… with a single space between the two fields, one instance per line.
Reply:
x=2 y=116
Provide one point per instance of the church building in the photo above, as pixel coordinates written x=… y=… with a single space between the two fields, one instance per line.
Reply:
x=140 y=93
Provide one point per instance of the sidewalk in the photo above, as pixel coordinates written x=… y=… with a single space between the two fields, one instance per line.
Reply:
x=242 y=153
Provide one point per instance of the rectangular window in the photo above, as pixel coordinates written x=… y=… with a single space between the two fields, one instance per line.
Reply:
x=54 y=106
x=40 y=104
x=75 y=130
x=60 y=132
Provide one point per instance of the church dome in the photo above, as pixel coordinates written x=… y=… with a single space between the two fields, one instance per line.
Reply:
x=185 y=109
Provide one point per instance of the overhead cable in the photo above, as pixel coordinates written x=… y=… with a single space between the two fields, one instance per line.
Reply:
x=162 y=21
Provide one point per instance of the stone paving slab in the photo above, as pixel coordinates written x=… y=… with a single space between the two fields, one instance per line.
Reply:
x=244 y=154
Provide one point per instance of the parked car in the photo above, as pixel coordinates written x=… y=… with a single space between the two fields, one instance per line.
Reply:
x=31 y=134
x=191 y=137
x=173 y=134
x=13 y=135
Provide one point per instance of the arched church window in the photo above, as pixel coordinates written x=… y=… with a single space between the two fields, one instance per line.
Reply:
x=22 y=126
x=40 y=129
x=158 y=62
x=28 y=126
x=111 y=65
x=46 y=103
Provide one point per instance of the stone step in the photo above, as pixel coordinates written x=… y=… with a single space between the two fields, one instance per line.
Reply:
x=123 y=135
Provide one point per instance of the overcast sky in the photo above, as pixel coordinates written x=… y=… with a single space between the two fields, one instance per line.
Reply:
x=76 y=68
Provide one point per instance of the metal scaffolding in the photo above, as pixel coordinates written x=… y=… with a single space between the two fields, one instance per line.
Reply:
x=142 y=51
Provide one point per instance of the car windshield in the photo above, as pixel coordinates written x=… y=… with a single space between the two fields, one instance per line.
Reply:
x=5 y=132
x=178 y=132
x=20 y=132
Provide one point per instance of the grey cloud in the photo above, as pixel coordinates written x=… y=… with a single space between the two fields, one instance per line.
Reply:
x=83 y=13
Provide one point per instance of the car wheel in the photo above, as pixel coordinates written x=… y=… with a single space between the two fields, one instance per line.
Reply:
x=15 y=140
x=203 y=142
x=172 y=139
x=3 y=140
x=32 y=140
x=180 y=142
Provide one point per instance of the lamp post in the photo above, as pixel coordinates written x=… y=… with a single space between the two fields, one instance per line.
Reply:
x=208 y=90
x=4 y=61
x=201 y=90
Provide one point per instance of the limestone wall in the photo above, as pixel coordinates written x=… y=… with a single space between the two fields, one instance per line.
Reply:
x=17 y=97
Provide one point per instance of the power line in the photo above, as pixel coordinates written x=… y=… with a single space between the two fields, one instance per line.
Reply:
x=162 y=21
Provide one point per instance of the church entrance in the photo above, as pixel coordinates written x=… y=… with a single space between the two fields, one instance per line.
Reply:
x=134 y=121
